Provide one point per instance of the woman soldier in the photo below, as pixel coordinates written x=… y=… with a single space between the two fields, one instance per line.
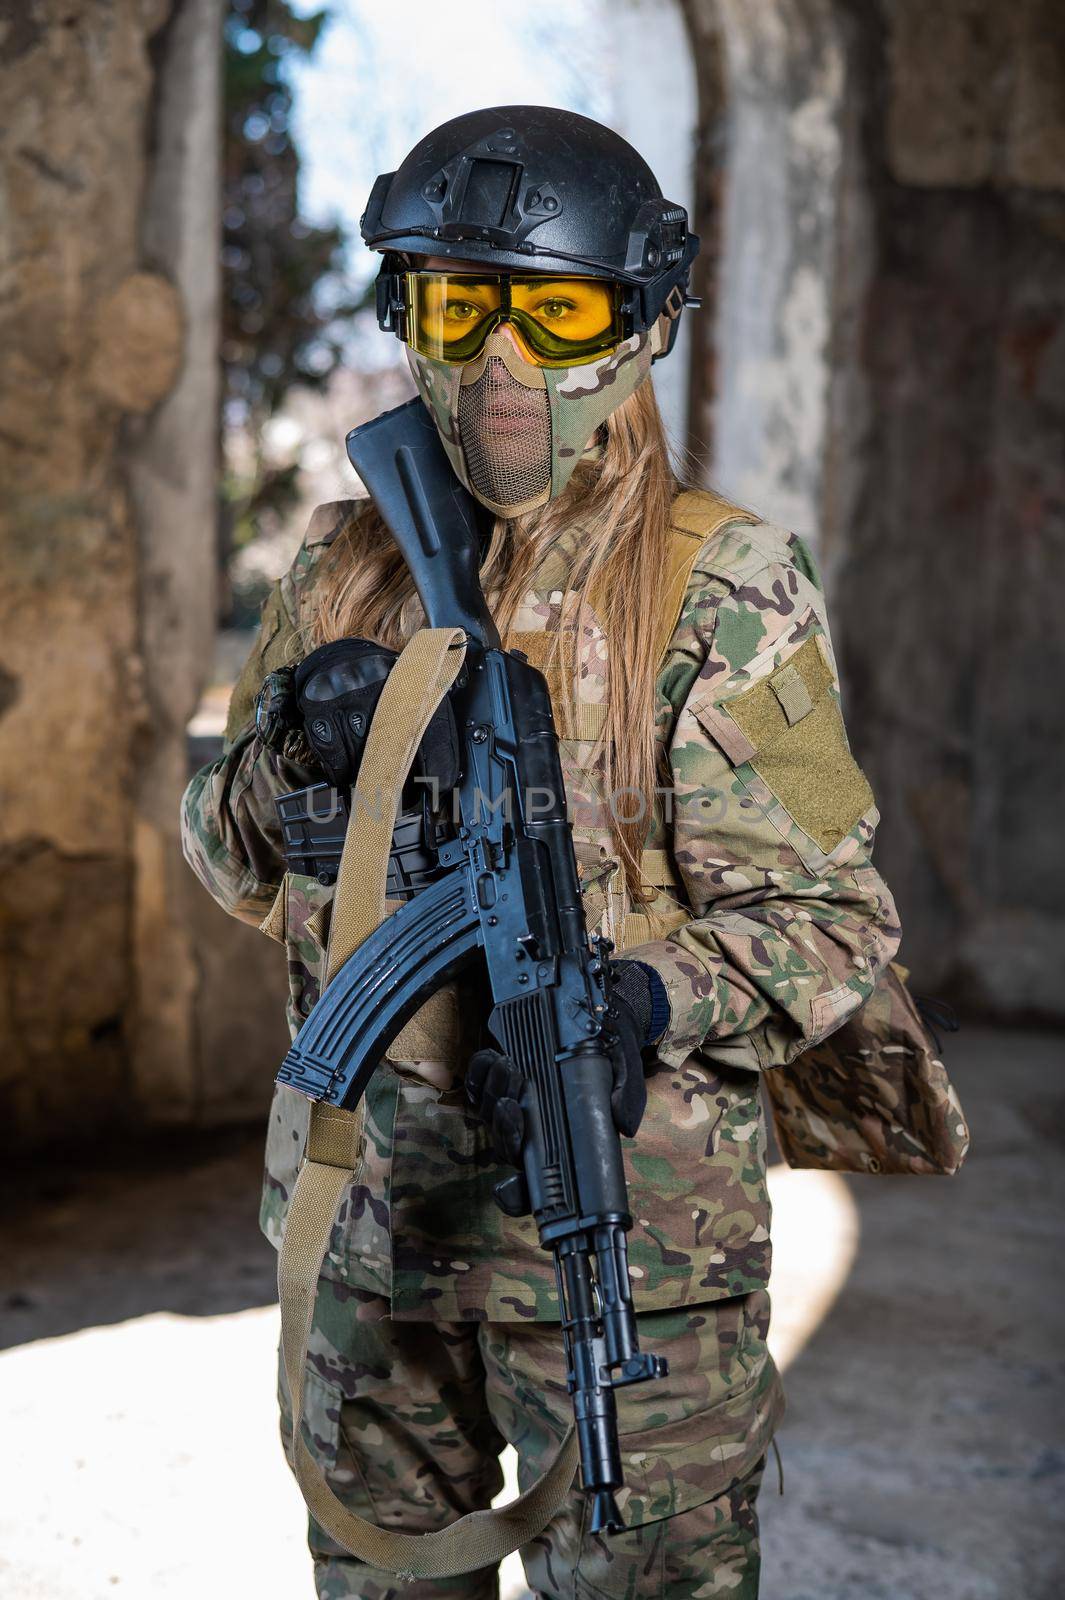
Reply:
x=722 y=829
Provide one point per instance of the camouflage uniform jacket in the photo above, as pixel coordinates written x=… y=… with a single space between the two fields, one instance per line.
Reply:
x=778 y=926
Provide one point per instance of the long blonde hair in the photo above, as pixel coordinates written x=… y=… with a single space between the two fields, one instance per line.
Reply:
x=623 y=500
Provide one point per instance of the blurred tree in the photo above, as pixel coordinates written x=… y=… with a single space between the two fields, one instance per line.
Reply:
x=285 y=298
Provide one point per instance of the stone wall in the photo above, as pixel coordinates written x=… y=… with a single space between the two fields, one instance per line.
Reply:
x=108 y=162
x=889 y=379
x=950 y=591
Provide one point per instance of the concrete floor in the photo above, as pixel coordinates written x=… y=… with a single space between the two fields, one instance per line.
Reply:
x=920 y=1322
x=924 y=1449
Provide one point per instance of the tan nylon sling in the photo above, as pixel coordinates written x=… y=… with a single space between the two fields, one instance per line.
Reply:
x=425 y=670
x=696 y=516
x=413 y=689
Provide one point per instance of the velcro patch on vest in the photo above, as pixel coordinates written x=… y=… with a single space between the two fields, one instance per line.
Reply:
x=792 y=728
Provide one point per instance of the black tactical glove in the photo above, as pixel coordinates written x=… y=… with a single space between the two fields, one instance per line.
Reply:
x=337 y=689
x=278 y=721
x=638 y=1014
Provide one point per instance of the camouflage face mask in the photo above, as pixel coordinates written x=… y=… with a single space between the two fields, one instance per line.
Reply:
x=514 y=431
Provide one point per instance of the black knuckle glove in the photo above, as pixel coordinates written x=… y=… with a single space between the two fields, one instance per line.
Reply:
x=637 y=1016
x=628 y=1098
x=278 y=722
x=337 y=688
x=493 y=1092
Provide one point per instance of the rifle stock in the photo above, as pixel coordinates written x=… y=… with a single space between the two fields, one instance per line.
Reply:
x=433 y=520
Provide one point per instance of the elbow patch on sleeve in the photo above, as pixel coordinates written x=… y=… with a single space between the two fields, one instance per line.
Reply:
x=787 y=728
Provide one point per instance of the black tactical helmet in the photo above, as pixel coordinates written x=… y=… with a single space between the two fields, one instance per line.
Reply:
x=539 y=189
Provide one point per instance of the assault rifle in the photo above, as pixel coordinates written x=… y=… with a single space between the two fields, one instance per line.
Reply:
x=506 y=892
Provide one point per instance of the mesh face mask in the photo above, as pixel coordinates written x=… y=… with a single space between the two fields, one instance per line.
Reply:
x=513 y=431
x=504 y=429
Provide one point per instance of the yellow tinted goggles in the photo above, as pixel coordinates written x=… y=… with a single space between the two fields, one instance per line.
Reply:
x=561 y=322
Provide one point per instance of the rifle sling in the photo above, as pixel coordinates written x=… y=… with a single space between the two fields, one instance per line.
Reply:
x=417 y=683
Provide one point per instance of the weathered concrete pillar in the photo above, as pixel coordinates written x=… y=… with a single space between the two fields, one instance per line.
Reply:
x=173 y=476
x=653 y=105
x=782 y=80
x=107 y=340
x=708 y=160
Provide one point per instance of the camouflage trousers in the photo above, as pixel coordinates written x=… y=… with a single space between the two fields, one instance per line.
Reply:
x=407 y=1420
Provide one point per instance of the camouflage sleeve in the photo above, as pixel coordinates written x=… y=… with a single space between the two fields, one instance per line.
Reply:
x=229 y=829
x=772 y=830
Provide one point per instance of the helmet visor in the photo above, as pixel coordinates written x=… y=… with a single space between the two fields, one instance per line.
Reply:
x=561 y=322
